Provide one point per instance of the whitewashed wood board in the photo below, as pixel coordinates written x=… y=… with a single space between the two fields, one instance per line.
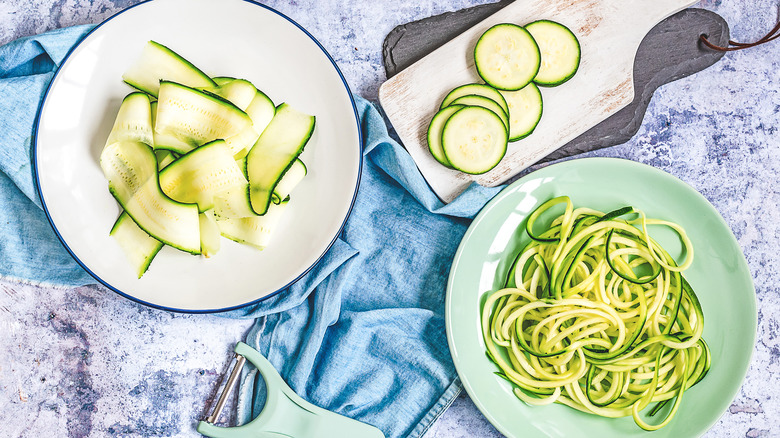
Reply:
x=609 y=32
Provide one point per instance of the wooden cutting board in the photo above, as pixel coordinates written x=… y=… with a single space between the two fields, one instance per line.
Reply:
x=610 y=32
x=670 y=51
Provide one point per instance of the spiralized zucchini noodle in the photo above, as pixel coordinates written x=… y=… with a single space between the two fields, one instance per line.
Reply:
x=596 y=315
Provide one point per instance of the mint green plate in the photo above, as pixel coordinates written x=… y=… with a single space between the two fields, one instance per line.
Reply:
x=719 y=276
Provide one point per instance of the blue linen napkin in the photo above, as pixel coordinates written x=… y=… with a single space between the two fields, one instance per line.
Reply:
x=29 y=249
x=367 y=340
x=362 y=334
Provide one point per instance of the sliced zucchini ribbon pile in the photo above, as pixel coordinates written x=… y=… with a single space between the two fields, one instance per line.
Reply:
x=191 y=157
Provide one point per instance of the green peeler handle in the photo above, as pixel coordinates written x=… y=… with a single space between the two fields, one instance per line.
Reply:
x=286 y=414
x=210 y=430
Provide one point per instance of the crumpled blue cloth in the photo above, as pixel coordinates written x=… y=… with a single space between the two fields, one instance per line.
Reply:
x=362 y=334
x=29 y=249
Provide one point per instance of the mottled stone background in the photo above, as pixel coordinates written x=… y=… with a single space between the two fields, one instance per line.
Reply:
x=86 y=362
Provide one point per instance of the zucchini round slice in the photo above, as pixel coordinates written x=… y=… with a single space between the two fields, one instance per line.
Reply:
x=486 y=103
x=434 y=132
x=560 y=51
x=525 y=111
x=507 y=57
x=474 y=140
x=478 y=90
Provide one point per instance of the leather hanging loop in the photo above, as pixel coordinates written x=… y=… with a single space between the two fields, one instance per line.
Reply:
x=734 y=46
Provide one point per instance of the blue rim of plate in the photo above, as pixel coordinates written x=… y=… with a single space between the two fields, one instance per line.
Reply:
x=173 y=309
x=467 y=385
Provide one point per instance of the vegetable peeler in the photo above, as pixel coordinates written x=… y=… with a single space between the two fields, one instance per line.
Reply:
x=285 y=413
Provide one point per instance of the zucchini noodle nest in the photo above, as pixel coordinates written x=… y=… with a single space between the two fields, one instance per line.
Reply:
x=597 y=316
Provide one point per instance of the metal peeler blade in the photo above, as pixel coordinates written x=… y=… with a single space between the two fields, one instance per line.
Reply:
x=285 y=413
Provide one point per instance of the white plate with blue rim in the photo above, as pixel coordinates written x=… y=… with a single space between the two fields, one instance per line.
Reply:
x=236 y=38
